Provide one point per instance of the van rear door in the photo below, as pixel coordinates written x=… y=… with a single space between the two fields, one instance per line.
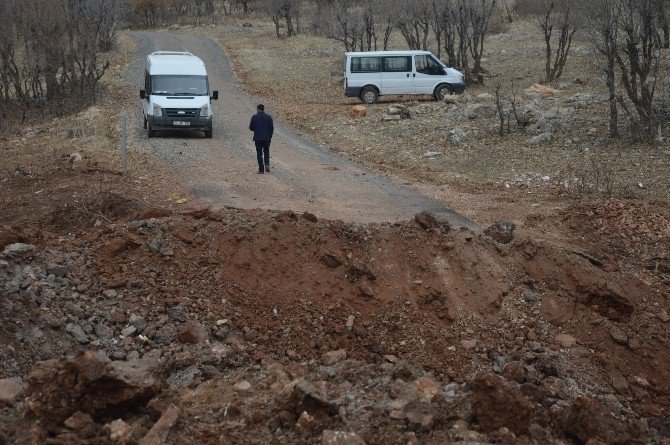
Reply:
x=397 y=75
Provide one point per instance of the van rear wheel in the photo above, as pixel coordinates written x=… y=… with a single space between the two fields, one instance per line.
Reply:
x=369 y=95
x=443 y=91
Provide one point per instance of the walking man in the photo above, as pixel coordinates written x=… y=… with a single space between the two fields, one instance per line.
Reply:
x=263 y=128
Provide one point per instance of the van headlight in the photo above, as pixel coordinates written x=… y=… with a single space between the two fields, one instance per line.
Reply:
x=157 y=110
x=204 y=110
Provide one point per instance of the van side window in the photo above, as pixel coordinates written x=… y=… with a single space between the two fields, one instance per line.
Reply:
x=427 y=65
x=398 y=64
x=365 y=65
x=147 y=82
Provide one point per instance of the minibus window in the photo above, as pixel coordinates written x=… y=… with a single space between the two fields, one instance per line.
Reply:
x=177 y=85
x=365 y=65
x=428 y=65
x=398 y=64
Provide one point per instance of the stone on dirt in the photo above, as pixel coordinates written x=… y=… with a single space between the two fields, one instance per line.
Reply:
x=565 y=340
x=540 y=139
x=501 y=232
x=10 y=389
x=89 y=382
x=398 y=110
x=332 y=357
x=620 y=384
x=330 y=437
x=158 y=433
x=420 y=415
x=426 y=220
x=587 y=420
x=120 y=431
x=618 y=335
x=17 y=250
x=358 y=111
x=495 y=406
x=77 y=333
x=192 y=332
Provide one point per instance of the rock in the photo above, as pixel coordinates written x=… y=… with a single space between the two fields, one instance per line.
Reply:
x=158 y=433
x=427 y=388
x=475 y=111
x=110 y=293
x=184 y=377
x=458 y=136
x=495 y=406
x=451 y=99
x=331 y=260
x=77 y=333
x=420 y=415
x=431 y=154
x=502 y=232
x=103 y=331
x=75 y=157
x=620 y=384
x=641 y=381
x=120 y=431
x=301 y=395
x=91 y=383
x=536 y=87
x=530 y=296
x=618 y=335
x=468 y=344
x=128 y=331
x=330 y=437
x=307 y=216
x=242 y=386
x=390 y=118
x=426 y=220
x=358 y=111
x=514 y=372
x=165 y=334
x=398 y=110
x=350 y=323
x=565 y=340
x=306 y=423
x=332 y=357
x=57 y=271
x=557 y=310
x=192 y=332
x=540 y=139
x=78 y=421
x=139 y=323
x=10 y=389
x=587 y=420
x=17 y=250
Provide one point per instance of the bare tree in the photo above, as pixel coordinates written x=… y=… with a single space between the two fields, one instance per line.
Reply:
x=413 y=20
x=284 y=12
x=557 y=20
x=479 y=14
x=604 y=34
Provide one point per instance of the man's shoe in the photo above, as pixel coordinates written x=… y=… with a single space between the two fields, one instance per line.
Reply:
x=260 y=172
x=267 y=168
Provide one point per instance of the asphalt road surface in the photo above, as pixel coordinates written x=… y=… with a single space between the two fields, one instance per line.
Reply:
x=304 y=177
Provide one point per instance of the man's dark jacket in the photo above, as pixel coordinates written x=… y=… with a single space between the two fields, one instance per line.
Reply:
x=262 y=126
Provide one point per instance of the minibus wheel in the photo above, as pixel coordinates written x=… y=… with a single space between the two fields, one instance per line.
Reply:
x=369 y=95
x=443 y=91
x=150 y=132
x=209 y=132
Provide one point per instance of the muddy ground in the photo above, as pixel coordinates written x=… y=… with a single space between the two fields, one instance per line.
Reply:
x=134 y=312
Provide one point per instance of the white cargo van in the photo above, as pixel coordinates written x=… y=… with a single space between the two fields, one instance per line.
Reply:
x=176 y=93
x=369 y=75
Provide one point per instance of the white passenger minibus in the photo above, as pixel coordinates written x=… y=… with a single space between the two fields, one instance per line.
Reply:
x=176 y=93
x=369 y=75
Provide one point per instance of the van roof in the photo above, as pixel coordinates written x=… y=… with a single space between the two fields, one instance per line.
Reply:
x=175 y=62
x=386 y=53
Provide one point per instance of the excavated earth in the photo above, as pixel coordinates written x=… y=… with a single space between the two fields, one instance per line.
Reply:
x=263 y=327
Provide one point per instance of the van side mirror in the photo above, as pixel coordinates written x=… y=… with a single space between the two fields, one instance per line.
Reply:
x=215 y=95
x=143 y=94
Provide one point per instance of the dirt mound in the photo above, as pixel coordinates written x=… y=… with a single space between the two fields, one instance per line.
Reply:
x=260 y=327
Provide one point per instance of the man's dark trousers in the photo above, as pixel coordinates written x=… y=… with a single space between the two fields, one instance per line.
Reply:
x=262 y=151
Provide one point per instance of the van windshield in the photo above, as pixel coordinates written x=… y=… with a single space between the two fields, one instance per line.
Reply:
x=179 y=85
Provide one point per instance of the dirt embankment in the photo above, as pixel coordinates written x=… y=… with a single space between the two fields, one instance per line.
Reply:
x=276 y=327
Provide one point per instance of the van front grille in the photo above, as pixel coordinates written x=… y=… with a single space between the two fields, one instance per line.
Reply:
x=181 y=112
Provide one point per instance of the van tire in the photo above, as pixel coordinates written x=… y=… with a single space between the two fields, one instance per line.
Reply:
x=443 y=90
x=145 y=122
x=209 y=132
x=150 y=132
x=369 y=95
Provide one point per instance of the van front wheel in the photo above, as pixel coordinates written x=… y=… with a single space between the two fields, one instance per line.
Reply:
x=150 y=131
x=209 y=132
x=443 y=91
x=369 y=95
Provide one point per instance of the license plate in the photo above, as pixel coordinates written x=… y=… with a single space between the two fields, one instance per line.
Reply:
x=181 y=123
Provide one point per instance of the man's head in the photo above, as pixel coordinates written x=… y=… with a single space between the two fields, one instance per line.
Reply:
x=260 y=107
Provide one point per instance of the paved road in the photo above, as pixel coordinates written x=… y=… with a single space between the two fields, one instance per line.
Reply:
x=304 y=177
